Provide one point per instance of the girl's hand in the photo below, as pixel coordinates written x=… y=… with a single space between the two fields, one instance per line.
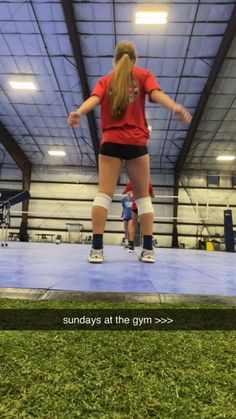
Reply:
x=182 y=113
x=74 y=119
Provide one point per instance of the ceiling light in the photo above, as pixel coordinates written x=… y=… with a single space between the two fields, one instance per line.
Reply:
x=151 y=15
x=56 y=153
x=226 y=158
x=22 y=85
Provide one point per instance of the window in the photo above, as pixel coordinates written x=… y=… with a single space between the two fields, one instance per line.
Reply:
x=213 y=181
x=234 y=181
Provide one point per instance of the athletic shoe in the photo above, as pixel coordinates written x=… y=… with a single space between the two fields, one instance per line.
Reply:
x=96 y=256
x=147 y=256
x=131 y=249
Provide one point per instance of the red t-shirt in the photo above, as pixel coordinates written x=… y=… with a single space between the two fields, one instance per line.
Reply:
x=132 y=128
x=129 y=188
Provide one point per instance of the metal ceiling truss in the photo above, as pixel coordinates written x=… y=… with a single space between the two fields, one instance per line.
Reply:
x=209 y=143
x=13 y=149
x=53 y=70
x=180 y=79
x=20 y=117
x=218 y=61
x=77 y=51
x=222 y=52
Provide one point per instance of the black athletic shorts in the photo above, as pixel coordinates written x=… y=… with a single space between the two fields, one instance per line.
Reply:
x=123 y=151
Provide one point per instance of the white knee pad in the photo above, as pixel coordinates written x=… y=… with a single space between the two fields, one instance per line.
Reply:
x=144 y=205
x=102 y=200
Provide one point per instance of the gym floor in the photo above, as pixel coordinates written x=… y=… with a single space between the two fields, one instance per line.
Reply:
x=38 y=270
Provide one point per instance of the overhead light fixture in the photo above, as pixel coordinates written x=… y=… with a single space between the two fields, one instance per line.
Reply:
x=57 y=153
x=226 y=158
x=151 y=15
x=22 y=85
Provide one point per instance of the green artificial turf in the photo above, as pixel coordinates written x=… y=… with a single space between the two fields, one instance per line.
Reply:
x=116 y=375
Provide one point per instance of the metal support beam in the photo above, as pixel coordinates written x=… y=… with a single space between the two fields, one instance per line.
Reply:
x=77 y=51
x=221 y=55
x=175 y=241
x=13 y=148
x=25 y=165
x=23 y=233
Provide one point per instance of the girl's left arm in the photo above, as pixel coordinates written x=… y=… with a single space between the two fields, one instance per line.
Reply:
x=180 y=111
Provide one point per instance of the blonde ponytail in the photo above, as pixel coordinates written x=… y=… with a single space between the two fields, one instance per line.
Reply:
x=125 y=58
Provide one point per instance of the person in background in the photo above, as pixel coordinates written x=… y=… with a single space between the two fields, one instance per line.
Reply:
x=126 y=203
x=121 y=94
x=134 y=222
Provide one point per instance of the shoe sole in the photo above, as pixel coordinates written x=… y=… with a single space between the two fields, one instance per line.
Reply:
x=97 y=260
x=147 y=260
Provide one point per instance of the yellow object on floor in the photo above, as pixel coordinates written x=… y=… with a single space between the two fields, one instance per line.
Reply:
x=209 y=246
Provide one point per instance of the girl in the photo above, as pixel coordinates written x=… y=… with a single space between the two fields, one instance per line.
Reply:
x=121 y=95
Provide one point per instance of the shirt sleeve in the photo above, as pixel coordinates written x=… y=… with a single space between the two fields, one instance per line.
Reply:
x=151 y=190
x=151 y=84
x=129 y=187
x=100 y=89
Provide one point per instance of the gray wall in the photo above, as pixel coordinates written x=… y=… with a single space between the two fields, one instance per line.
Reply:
x=65 y=196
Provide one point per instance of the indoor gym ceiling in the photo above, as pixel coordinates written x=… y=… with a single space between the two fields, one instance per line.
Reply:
x=63 y=47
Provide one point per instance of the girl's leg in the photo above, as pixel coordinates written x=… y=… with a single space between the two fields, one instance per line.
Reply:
x=132 y=230
x=126 y=231
x=139 y=174
x=109 y=172
x=128 y=227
